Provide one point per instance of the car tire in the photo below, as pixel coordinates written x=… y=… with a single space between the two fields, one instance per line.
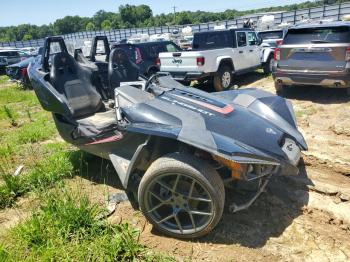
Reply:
x=280 y=89
x=267 y=66
x=174 y=196
x=223 y=78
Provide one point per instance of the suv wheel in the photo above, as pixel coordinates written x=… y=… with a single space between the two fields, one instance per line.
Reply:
x=280 y=89
x=267 y=67
x=182 y=196
x=223 y=78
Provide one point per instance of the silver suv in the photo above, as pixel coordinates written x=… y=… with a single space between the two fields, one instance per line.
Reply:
x=314 y=54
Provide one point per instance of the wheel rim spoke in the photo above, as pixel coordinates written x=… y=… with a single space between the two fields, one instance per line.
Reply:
x=157 y=197
x=191 y=188
x=156 y=207
x=166 y=219
x=176 y=182
x=200 y=199
x=165 y=186
x=178 y=224
x=199 y=213
x=192 y=221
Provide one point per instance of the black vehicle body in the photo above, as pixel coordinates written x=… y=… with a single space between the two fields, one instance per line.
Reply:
x=145 y=55
x=314 y=55
x=252 y=128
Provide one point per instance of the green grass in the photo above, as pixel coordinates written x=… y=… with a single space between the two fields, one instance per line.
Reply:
x=3 y=79
x=42 y=174
x=66 y=227
x=305 y=112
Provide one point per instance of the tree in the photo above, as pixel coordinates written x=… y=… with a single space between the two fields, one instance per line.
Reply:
x=27 y=37
x=106 y=25
x=90 y=26
x=70 y=24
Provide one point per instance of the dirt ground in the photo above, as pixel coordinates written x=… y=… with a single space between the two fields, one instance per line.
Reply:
x=301 y=218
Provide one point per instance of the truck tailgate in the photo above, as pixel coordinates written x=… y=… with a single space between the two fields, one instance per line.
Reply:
x=180 y=62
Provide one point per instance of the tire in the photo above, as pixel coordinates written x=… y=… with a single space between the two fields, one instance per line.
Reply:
x=174 y=187
x=280 y=89
x=223 y=78
x=267 y=67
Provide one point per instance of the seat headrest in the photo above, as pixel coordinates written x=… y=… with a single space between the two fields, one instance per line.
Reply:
x=120 y=57
x=63 y=61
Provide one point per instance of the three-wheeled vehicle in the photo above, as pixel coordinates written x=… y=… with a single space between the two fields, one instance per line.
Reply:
x=174 y=148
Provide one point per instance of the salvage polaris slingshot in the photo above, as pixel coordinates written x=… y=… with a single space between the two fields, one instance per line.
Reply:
x=174 y=148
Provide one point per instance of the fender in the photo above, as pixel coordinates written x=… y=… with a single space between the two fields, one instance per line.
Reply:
x=219 y=59
x=266 y=52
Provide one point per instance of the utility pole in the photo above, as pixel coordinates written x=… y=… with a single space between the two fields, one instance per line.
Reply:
x=174 y=8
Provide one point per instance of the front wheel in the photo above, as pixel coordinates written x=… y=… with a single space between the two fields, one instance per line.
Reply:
x=223 y=78
x=182 y=196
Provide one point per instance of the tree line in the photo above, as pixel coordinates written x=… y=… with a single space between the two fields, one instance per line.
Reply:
x=131 y=16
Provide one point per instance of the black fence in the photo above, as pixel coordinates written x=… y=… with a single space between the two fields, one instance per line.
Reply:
x=332 y=12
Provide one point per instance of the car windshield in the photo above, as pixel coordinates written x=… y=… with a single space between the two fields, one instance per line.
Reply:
x=271 y=35
x=340 y=34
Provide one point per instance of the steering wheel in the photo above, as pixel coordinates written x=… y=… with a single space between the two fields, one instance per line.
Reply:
x=150 y=81
x=154 y=78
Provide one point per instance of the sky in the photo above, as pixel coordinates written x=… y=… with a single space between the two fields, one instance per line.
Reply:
x=39 y=12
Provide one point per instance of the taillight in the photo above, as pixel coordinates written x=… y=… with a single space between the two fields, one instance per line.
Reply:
x=158 y=63
x=277 y=54
x=200 y=61
x=24 y=72
x=347 y=54
x=279 y=42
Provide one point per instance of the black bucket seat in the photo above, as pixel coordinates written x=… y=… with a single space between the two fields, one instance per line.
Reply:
x=121 y=69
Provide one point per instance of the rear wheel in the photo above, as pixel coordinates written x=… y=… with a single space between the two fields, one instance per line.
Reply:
x=267 y=67
x=182 y=196
x=223 y=78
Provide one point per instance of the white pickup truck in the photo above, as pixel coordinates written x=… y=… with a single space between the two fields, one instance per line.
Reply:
x=218 y=56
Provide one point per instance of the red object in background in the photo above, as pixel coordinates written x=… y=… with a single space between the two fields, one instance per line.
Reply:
x=24 y=72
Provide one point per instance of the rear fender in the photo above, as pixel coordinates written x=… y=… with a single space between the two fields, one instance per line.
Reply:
x=220 y=60
x=266 y=53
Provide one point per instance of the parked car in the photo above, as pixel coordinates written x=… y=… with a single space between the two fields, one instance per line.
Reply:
x=8 y=57
x=270 y=40
x=173 y=148
x=314 y=55
x=19 y=72
x=216 y=55
x=146 y=55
